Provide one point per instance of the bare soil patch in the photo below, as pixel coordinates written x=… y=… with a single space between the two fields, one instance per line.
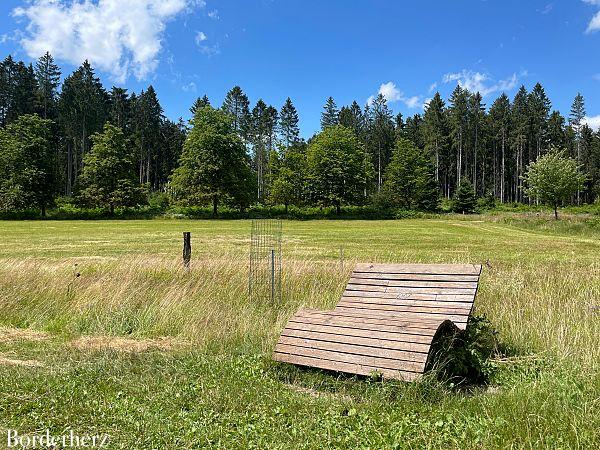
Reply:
x=21 y=334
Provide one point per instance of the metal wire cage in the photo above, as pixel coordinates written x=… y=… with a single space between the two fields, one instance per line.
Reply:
x=264 y=280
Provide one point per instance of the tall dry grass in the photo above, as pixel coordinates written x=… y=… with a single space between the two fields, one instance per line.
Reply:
x=553 y=309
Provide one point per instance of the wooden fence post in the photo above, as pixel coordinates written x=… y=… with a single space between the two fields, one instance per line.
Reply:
x=187 y=249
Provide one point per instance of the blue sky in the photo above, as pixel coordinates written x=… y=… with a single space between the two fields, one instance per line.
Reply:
x=309 y=50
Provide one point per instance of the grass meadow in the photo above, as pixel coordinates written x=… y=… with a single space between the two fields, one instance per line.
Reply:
x=104 y=332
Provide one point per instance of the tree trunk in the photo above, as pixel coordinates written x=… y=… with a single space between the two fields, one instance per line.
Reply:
x=502 y=169
x=43 y=207
x=338 y=209
x=555 y=212
x=112 y=209
x=286 y=208
x=215 y=206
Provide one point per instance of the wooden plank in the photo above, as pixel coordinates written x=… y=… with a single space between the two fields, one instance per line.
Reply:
x=443 y=304
x=362 y=350
x=413 y=276
x=349 y=328
x=357 y=369
x=412 y=296
x=447 y=269
x=457 y=319
x=375 y=340
x=336 y=355
x=398 y=306
x=409 y=290
x=411 y=283
x=358 y=318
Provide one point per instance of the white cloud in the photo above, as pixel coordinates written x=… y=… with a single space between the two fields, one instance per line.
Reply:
x=593 y=122
x=118 y=37
x=200 y=37
x=594 y=24
x=392 y=94
x=433 y=87
x=546 y=9
x=481 y=82
x=190 y=87
x=214 y=14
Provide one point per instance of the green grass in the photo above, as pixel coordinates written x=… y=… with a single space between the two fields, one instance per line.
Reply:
x=220 y=389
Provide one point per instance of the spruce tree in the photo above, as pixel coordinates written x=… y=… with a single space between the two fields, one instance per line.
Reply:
x=47 y=74
x=464 y=200
x=381 y=136
x=539 y=110
x=288 y=124
x=200 y=102
x=435 y=132
x=458 y=121
x=237 y=105
x=330 y=114
x=500 y=125
x=519 y=123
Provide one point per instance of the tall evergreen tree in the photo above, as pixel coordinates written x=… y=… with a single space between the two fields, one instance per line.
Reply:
x=476 y=126
x=148 y=115
x=82 y=111
x=519 y=118
x=556 y=130
x=330 y=114
x=539 y=110
x=288 y=124
x=500 y=125
x=237 y=105
x=435 y=133
x=458 y=120
x=576 y=122
x=381 y=136
x=119 y=112
x=47 y=74
x=200 y=102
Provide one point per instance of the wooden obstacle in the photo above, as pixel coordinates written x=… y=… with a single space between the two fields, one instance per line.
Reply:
x=385 y=322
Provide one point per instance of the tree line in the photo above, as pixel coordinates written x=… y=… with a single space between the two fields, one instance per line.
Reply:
x=110 y=148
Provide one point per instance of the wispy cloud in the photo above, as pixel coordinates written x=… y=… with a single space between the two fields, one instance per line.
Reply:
x=594 y=23
x=546 y=9
x=119 y=37
x=190 y=87
x=593 y=122
x=482 y=82
x=214 y=14
x=392 y=94
x=200 y=37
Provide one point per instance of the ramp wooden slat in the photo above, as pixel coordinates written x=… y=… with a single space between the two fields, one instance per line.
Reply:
x=385 y=320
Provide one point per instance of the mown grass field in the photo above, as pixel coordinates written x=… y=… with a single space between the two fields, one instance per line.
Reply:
x=181 y=360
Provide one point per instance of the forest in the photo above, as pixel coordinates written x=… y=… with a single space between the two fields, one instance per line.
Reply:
x=75 y=142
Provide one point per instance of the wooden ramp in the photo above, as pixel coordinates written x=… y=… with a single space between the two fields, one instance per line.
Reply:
x=385 y=321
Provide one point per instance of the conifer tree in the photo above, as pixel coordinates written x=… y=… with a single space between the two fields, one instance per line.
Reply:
x=435 y=131
x=288 y=124
x=47 y=74
x=330 y=114
x=500 y=119
x=519 y=118
x=200 y=102
x=237 y=105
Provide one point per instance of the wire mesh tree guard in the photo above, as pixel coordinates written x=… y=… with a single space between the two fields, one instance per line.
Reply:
x=264 y=280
